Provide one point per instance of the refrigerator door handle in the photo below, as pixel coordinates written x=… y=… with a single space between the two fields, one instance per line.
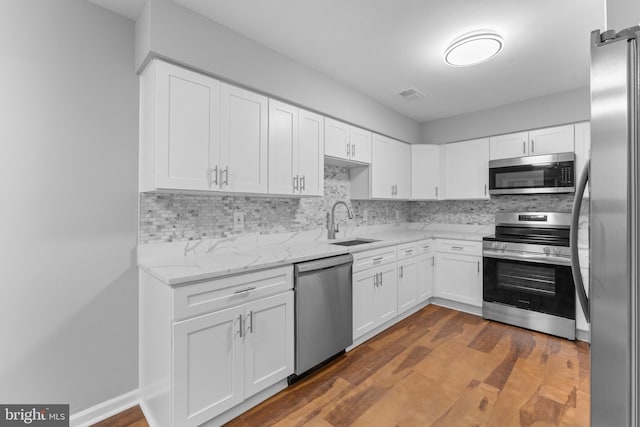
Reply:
x=573 y=241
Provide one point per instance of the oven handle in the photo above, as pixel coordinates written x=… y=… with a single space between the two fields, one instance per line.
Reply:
x=565 y=262
x=573 y=241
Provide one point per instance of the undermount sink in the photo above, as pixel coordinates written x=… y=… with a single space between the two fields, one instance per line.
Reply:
x=354 y=242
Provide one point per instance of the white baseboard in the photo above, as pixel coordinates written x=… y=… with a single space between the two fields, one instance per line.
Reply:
x=105 y=409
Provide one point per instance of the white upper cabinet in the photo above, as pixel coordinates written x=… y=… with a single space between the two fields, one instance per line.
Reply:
x=180 y=128
x=558 y=139
x=296 y=144
x=466 y=169
x=389 y=176
x=346 y=142
x=197 y=133
x=425 y=172
x=243 y=140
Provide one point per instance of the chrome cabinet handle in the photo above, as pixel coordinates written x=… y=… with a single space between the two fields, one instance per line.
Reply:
x=348 y=150
x=375 y=280
x=436 y=191
x=213 y=173
x=485 y=189
x=380 y=274
x=226 y=175
x=524 y=147
x=303 y=182
x=251 y=322
x=408 y=252
x=295 y=183
x=533 y=147
x=478 y=262
x=433 y=262
x=377 y=260
x=242 y=291
x=401 y=271
x=240 y=324
x=353 y=150
x=458 y=248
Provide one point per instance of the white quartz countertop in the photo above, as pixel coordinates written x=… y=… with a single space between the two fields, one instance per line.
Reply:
x=181 y=262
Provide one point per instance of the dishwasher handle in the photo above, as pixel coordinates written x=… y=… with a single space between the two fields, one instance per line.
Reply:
x=321 y=264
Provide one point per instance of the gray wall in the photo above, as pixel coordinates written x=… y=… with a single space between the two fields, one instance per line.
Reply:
x=622 y=14
x=68 y=168
x=564 y=107
x=168 y=30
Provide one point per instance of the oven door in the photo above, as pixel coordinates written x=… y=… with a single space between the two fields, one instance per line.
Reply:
x=540 y=174
x=536 y=286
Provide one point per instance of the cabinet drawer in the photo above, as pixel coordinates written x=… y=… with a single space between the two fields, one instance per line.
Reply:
x=425 y=246
x=407 y=250
x=466 y=247
x=374 y=258
x=199 y=298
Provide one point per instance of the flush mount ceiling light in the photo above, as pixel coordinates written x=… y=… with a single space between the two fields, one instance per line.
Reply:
x=473 y=48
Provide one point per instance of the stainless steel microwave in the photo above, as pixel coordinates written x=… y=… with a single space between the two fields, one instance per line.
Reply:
x=550 y=173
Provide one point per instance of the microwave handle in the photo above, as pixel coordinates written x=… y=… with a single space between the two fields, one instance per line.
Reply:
x=573 y=241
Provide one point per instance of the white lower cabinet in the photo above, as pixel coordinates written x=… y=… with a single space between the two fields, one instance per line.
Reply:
x=459 y=271
x=207 y=347
x=375 y=289
x=426 y=266
x=407 y=277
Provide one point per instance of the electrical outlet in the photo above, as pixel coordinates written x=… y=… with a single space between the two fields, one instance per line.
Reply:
x=397 y=215
x=365 y=216
x=238 y=220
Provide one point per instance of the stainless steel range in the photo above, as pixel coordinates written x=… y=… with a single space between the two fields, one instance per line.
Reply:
x=527 y=279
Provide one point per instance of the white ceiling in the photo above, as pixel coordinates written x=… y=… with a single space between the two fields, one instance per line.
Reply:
x=381 y=47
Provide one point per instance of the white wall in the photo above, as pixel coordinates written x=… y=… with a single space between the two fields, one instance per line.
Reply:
x=169 y=30
x=68 y=173
x=622 y=14
x=560 y=108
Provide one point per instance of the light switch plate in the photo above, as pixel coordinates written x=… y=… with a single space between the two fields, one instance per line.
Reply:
x=238 y=220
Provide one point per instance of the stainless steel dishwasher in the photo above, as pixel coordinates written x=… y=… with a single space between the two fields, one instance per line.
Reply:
x=323 y=310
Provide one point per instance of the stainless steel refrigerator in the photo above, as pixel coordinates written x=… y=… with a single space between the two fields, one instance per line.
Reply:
x=614 y=178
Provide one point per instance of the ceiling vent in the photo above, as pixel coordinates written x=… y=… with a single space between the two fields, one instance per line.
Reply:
x=411 y=94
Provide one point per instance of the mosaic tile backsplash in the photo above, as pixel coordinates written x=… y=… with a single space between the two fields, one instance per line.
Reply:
x=178 y=217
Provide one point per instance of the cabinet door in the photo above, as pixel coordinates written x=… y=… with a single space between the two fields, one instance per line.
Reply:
x=269 y=350
x=360 y=140
x=459 y=278
x=425 y=172
x=407 y=284
x=311 y=153
x=558 y=139
x=426 y=272
x=363 y=285
x=508 y=146
x=466 y=169
x=243 y=141
x=382 y=167
x=283 y=148
x=385 y=303
x=208 y=366
x=336 y=139
x=187 y=128
x=402 y=170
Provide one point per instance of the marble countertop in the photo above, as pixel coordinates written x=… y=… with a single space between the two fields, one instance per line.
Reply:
x=181 y=262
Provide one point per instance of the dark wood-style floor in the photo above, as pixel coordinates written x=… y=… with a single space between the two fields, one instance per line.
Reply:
x=438 y=368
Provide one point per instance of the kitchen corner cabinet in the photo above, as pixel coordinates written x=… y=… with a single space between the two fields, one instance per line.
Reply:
x=375 y=289
x=388 y=176
x=426 y=263
x=557 y=139
x=459 y=271
x=425 y=172
x=208 y=346
x=296 y=150
x=407 y=277
x=197 y=133
x=346 y=142
x=466 y=169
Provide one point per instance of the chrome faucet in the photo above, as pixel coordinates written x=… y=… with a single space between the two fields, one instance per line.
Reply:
x=331 y=217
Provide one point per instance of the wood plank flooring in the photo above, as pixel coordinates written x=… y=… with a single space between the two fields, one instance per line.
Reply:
x=437 y=368
x=441 y=368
